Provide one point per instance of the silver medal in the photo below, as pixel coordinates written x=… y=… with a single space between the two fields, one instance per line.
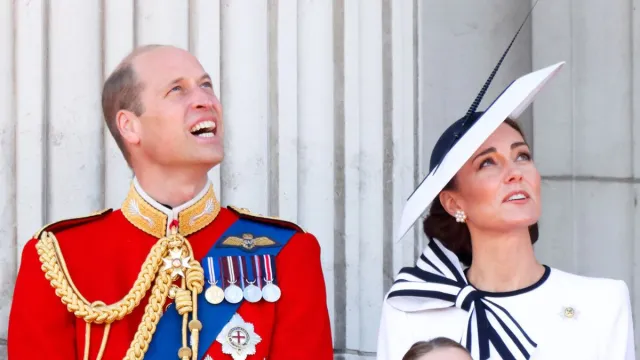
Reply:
x=214 y=295
x=252 y=293
x=271 y=292
x=233 y=294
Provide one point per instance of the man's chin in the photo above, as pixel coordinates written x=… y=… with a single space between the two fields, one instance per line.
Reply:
x=209 y=160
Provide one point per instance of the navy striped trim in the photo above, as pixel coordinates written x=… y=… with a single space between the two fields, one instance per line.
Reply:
x=489 y=325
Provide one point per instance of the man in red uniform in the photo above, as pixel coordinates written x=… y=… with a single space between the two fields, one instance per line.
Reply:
x=171 y=274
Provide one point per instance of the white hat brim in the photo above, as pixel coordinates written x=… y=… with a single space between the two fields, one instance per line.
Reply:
x=513 y=101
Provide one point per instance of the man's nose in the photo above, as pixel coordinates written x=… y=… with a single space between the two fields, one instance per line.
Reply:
x=204 y=100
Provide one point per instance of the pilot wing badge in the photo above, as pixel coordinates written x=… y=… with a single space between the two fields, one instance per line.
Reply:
x=248 y=242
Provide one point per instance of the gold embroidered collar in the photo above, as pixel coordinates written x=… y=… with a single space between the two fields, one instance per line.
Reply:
x=154 y=218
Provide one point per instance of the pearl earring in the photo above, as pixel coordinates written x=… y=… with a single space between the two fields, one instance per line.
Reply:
x=461 y=216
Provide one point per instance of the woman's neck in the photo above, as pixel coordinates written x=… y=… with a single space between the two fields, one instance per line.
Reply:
x=504 y=262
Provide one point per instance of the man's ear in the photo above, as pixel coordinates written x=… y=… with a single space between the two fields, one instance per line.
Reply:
x=450 y=202
x=128 y=126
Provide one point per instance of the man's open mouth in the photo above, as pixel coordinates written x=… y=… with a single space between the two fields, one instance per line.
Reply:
x=204 y=129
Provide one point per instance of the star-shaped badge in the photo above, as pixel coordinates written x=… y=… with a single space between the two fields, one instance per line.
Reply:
x=238 y=338
x=176 y=263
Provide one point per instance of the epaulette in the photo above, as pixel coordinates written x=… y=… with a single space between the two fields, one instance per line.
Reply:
x=245 y=213
x=71 y=222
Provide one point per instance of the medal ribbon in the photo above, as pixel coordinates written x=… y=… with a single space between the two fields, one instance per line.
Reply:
x=224 y=273
x=232 y=274
x=258 y=270
x=248 y=265
x=272 y=263
x=212 y=273
x=241 y=272
x=268 y=268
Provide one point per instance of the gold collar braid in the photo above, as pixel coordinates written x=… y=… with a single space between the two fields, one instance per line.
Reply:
x=180 y=267
x=147 y=216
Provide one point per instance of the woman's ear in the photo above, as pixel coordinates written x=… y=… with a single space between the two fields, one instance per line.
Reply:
x=450 y=202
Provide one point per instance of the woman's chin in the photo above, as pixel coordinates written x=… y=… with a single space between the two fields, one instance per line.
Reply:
x=520 y=222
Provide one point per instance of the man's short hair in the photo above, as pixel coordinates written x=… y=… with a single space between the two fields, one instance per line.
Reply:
x=121 y=91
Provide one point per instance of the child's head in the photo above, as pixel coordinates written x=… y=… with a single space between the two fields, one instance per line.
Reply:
x=440 y=348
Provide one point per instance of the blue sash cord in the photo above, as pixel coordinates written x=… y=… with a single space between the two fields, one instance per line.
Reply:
x=167 y=339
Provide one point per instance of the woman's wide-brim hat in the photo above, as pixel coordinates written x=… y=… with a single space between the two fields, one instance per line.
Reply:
x=463 y=138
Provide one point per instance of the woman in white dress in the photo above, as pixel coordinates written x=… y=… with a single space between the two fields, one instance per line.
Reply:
x=478 y=281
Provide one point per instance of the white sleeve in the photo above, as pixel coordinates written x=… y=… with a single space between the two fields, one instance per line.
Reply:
x=383 y=334
x=619 y=342
x=391 y=337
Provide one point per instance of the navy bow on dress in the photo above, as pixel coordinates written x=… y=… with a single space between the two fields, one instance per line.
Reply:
x=438 y=281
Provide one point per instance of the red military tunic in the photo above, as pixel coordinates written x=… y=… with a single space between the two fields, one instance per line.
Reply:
x=104 y=255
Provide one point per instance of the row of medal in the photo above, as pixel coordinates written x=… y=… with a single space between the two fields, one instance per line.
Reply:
x=241 y=277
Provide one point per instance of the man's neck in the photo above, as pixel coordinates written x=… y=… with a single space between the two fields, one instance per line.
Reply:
x=172 y=190
x=503 y=262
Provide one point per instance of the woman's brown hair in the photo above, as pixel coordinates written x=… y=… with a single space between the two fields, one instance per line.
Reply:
x=424 y=347
x=455 y=236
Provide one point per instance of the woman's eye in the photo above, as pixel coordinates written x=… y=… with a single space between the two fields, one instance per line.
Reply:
x=207 y=84
x=176 y=88
x=486 y=162
x=524 y=156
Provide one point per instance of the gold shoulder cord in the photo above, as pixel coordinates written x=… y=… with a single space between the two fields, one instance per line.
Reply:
x=180 y=265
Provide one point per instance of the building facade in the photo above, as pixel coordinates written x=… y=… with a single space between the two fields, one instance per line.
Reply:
x=331 y=110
